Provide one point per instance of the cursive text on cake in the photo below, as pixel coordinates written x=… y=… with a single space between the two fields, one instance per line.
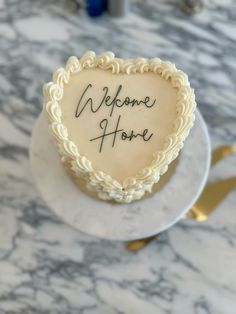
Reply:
x=109 y=101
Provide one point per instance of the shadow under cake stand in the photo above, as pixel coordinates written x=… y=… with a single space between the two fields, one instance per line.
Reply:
x=122 y=222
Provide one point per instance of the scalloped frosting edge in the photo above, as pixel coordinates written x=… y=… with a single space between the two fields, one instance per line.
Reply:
x=103 y=184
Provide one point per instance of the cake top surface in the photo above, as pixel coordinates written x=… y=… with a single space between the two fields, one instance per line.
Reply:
x=122 y=119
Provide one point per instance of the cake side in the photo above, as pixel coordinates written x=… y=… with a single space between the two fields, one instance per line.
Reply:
x=105 y=186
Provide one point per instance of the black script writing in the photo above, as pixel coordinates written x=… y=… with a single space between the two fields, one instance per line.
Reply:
x=124 y=135
x=109 y=101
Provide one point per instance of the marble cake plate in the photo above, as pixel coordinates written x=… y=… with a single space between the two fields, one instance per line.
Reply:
x=127 y=221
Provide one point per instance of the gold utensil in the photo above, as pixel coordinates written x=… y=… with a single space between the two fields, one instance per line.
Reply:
x=137 y=245
x=206 y=204
x=221 y=153
x=213 y=194
x=220 y=189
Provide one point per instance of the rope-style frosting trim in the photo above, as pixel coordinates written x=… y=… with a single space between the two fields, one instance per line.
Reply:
x=106 y=187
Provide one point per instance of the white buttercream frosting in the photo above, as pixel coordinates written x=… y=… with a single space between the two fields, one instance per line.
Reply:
x=106 y=187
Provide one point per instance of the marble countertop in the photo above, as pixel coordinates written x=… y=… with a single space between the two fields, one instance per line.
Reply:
x=45 y=265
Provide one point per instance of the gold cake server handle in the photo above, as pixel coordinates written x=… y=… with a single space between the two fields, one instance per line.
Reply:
x=219 y=190
x=221 y=153
x=137 y=245
x=206 y=203
x=213 y=194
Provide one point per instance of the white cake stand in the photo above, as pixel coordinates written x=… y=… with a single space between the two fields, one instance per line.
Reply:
x=127 y=221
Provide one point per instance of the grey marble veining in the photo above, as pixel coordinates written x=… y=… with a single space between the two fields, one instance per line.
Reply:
x=46 y=266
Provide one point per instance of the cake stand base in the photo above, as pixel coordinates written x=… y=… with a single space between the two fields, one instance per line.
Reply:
x=122 y=222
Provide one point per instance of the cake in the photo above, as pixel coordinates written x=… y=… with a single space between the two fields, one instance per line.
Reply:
x=118 y=123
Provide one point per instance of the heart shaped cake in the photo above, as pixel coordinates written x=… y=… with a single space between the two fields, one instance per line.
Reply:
x=118 y=123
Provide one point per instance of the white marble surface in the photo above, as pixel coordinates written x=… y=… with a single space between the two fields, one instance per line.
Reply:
x=121 y=222
x=45 y=265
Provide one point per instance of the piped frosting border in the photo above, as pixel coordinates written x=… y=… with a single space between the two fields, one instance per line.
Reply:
x=104 y=185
